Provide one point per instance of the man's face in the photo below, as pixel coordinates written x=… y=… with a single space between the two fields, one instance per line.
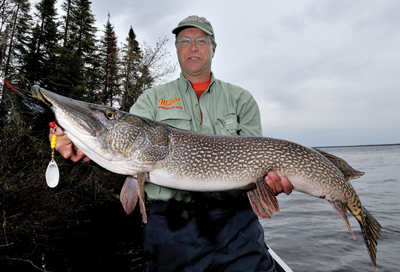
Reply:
x=195 y=61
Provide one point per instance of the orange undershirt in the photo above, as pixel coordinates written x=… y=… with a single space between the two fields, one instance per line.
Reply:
x=200 y=88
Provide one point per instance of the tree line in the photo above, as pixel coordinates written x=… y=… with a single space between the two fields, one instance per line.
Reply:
x=63 y=54
x=55 y=229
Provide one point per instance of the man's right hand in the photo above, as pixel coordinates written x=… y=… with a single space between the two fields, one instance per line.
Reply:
x=67 y=148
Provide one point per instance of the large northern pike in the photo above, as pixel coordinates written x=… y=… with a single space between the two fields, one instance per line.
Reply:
x=154 y=152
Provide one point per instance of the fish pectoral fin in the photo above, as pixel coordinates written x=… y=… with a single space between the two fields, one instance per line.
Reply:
x=129 y=194
x=142 y=178
x=341 y=209
x=263 y=200
x=267 y=195
x=258 y=206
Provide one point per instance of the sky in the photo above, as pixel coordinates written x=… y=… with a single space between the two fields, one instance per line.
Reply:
x=324 y=73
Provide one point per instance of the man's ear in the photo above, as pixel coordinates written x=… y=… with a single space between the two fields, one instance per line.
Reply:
x=214 y=47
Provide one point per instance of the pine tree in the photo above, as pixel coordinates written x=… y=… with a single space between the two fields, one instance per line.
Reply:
x=15 y=19
x=78 y=60
x=131 y=60
x=23 y=26
x=92 y=78
x=143 y=67
x=68 y=63
x=66 y=6
x=110 y=66
x=5 y=28
x=40 y=61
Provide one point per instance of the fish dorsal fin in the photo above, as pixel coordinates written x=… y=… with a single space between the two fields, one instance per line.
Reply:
x=263 y=200
x=348 y=171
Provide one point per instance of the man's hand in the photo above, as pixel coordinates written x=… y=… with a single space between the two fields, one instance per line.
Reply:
x=278 y=184
x=67 y=148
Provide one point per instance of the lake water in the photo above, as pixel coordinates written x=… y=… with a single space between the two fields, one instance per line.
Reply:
x=309 y=235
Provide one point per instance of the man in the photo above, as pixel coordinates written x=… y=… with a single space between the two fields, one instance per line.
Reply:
x=193 y=231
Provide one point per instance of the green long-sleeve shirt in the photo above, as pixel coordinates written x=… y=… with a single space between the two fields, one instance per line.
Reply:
x=226 y=109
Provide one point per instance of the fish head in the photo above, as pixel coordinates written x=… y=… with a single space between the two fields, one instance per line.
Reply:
x=112 y=138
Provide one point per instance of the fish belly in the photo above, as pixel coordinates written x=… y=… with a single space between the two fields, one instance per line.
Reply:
x=307 y=186
x=164 y=178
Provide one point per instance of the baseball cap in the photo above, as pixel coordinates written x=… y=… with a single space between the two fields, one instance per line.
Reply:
x=194 y=21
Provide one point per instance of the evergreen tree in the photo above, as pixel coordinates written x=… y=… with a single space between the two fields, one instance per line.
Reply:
x=143 y=67
x=146 y=79
x=92 y=78
x=66 y=6
x=16 y=20
x=110 y=66
x=66 y=61
x=5 y=29
x=40 y=61
x=23 y=23
x=78 y=60
x=131 y=61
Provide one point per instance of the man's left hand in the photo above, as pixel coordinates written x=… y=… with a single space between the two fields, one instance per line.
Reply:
x=278 y=184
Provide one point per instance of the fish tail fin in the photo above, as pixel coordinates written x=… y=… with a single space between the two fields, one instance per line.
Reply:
x=370 y=227
x=371 y=230
x=341 y=209
x=263 y=200
x=132 y=191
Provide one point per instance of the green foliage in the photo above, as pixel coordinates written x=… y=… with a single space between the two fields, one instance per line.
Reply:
x=110 y=67
x=132 y=57
x=78 y=54
x=40 y=225
x=43 y=45
x=50 y=226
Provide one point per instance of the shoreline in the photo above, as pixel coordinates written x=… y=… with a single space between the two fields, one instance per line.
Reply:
x=340 y=146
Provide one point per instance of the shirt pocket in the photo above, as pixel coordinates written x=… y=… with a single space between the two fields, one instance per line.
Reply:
x=178 y=119
x=228 y=123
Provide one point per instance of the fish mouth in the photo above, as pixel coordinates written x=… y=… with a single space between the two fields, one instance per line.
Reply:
x=69 y=113
x=36 y=93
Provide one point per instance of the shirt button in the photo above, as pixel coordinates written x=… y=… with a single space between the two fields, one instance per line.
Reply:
x=195 y=104
x=199 y=123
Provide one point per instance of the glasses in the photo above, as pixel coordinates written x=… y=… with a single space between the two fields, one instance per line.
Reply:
x=188 y=42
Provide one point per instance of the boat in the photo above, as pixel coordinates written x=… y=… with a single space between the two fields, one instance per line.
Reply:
x=281 y=266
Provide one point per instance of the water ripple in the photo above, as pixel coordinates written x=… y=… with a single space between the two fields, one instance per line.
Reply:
x=310 y=236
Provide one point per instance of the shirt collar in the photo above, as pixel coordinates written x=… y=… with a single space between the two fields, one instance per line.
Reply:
x=184 y=84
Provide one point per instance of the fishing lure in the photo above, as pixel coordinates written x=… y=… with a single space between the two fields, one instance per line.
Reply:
x=52 y=172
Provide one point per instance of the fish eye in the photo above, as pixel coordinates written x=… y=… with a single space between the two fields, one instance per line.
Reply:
x=110 y=114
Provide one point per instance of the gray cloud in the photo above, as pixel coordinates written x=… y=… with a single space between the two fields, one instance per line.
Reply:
x=323 y=72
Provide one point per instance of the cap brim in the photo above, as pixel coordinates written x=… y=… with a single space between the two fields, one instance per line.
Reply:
x=184 y=26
